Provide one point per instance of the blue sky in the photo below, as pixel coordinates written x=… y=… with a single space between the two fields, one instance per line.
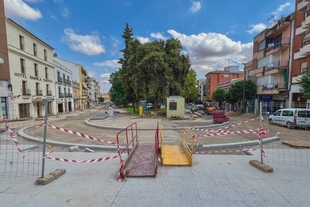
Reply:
x=213 y=33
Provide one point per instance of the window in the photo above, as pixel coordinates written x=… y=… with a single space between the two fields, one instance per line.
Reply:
x=24 y=84
x=24 y=110
x=261 y=45
x=172 y=105
x=35 y=53
x=47 y=90
x=22 y=66
x=38 y=91
x=278 y=113
x=46 y=72
x=45 y=55
x=4 y=107
x=36 y=70
x=21 y=42
x=287 y=113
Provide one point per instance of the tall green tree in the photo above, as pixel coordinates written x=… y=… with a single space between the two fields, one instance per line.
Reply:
x=304 y=83
x=190 y=91
x=219 y=96
x=127 y=71
x=236 y=90
x=117 y=93
x=178 y=64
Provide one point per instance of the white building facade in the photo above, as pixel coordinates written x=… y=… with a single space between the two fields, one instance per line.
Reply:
x=93 y=91
x=63 y=88
x=31 y=72
x=75 y=80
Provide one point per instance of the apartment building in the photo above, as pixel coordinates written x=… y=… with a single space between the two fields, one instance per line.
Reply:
x=5 y=84
x=271 y=61
x=31 y=71
x=63 y=88
x=84 y=85
x=75 y=80
x=301 y=51
x=93 y=91
x=213 y=78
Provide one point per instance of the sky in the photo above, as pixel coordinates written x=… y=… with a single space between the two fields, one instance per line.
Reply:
x=213 y=33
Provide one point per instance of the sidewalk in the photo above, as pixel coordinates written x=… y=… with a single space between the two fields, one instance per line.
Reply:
x=213 y=180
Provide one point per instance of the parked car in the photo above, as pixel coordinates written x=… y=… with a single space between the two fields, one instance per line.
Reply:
x=291 y=117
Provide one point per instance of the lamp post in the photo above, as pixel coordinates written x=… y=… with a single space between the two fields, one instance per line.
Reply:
x=243 y=97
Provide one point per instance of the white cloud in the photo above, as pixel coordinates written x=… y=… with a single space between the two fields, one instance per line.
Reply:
x=87 y=44
x=104 y=82
x=143 y=39
x=196 y=6
x=210 y=51
x=280 y=9
x=109 y=63
x=19 y=8
x=256 y=28
x=158 y=35
x=65 y=12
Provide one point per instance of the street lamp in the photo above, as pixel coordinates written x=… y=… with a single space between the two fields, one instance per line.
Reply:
x=243 y=98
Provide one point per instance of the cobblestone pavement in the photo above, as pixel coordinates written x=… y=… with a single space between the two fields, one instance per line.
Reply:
x=146 y=129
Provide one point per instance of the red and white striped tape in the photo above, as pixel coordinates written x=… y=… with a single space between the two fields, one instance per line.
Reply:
x=12 y=135
x=79 y=134
x=222 y=129
x=81 y=161
x=250 y=131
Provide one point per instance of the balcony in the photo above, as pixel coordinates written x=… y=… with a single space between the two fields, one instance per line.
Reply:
x=39 y=92
x=274 y=47
x=49 y=93
x=300 y=30
x=67 y=81
x=26 y=92
x=68 y=95
x=306 y=48
x=306 y=23
x=59 y=79
x=61 y=95
x=302 y=5
x=275 y=66
x=271 y=88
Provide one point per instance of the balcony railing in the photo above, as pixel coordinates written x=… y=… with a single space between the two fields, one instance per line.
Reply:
x=49 y=93
x=26 y=92
x=39 y=92
x=60 y=79
x=68 y=95
x=276 y=64
x=67 y=81
x=61 y=95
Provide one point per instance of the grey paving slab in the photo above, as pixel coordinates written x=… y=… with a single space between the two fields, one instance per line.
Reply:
x=213 y=180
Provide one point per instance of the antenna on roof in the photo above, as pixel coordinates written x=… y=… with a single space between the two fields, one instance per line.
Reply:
x=271 y=17
x=228 y=61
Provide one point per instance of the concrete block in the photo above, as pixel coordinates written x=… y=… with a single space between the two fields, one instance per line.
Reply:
x=58 y=172
x=262 y=167
x=45 y=180
x=50 y=177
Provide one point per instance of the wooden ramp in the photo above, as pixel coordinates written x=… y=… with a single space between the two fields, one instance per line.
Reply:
x=142 y=162
x=174 y=155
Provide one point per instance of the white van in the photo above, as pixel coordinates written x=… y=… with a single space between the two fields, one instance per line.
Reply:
x=291 y=117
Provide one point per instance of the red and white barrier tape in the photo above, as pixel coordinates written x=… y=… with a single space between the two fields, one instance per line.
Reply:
x=222 y=129
x=12 y=135
x=234 y=125
x=82 y=161
x=227 y=133
x=122 y=174
x=79 y=134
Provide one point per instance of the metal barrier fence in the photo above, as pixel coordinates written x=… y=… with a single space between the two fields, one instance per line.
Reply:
x=18 y=156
